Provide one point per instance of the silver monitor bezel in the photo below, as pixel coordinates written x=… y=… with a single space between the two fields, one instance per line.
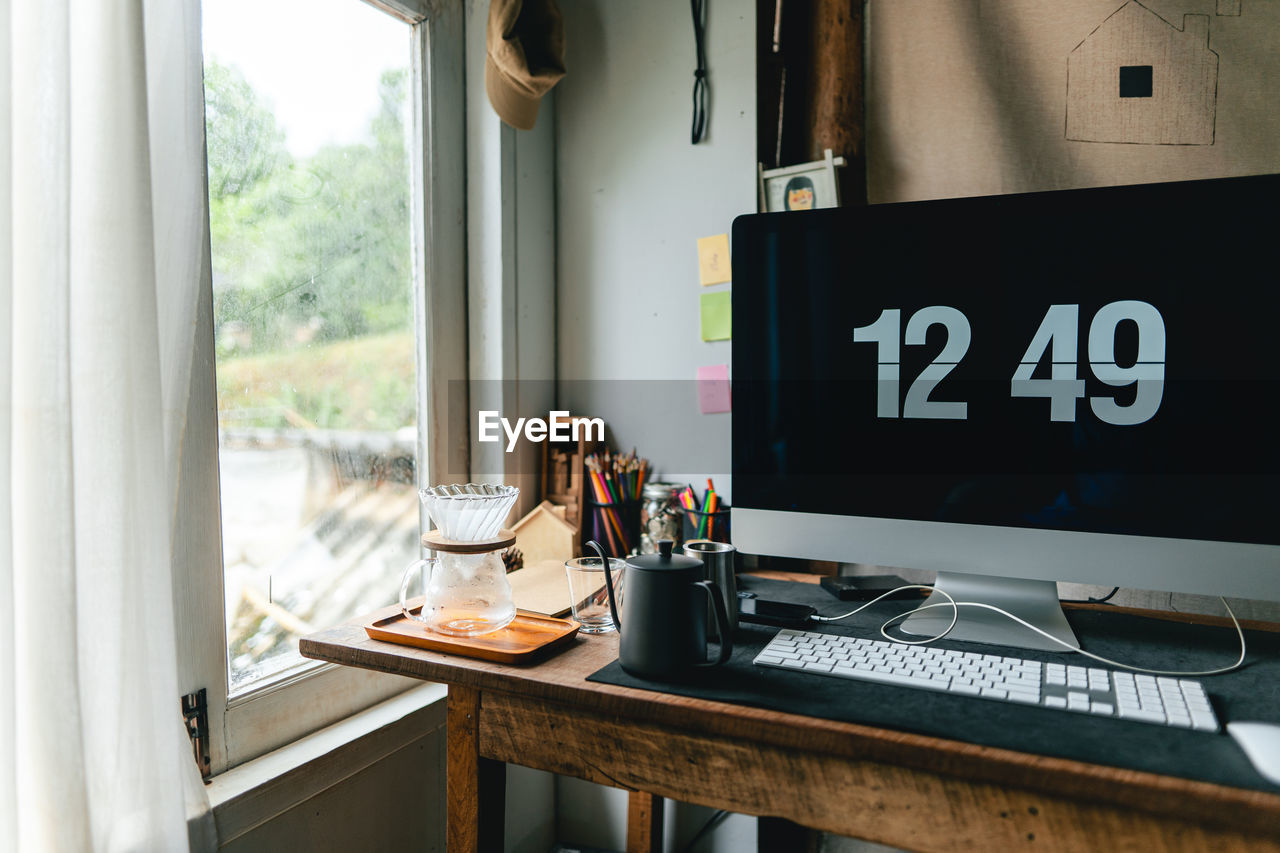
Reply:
x=1231 y=569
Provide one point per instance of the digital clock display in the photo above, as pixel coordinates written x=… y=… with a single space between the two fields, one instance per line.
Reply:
x=1028 y=361
x=1055 y=342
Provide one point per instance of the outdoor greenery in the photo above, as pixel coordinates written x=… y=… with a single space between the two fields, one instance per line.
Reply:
x=311 y=265
x=361 y=383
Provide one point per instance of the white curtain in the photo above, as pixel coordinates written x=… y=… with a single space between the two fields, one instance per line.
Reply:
x=103 y=248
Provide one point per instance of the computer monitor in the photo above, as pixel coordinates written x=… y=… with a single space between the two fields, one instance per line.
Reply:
x=1078 y=385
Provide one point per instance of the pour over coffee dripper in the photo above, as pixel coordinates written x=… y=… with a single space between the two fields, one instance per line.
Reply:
x=467 y=593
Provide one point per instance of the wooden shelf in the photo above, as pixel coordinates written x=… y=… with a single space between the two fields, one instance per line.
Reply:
x=564 y=474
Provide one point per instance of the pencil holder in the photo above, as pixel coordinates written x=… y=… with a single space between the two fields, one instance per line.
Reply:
x=616 y=525
x=707 y=525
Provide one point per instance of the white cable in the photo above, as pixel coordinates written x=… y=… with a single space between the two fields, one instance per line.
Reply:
x=955 y=614
x=955 y=605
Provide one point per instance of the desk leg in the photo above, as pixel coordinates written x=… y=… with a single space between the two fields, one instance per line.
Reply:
x=475 y=787
x=776 y=834
x=644 y=823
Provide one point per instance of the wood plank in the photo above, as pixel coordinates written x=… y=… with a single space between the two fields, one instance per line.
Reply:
x=462 y=773
x=1184 y=618
x=644 y=822
x=835 y=103
x=475 y=787
x=561 y=679
x=877 y=801
x=435 y=541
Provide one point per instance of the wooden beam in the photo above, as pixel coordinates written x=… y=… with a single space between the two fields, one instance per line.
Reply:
x=475 y=788
x=644 y=822
x=810 y=89
x=873 y=800
x=835 y=105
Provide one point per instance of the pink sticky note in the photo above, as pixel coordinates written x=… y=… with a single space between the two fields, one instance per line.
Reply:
x=713 y=388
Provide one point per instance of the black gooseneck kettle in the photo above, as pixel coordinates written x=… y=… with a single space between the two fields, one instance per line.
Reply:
x=666 y=609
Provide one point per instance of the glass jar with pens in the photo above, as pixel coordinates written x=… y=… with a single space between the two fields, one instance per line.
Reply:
x=707 y=518
x=613 y=502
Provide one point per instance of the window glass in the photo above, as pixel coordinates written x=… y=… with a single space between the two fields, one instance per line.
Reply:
x=307 y=111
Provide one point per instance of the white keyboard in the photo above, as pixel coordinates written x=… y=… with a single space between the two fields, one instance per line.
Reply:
x=1089 y=690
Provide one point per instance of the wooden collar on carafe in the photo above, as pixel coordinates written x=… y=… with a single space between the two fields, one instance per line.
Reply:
x=435 y=542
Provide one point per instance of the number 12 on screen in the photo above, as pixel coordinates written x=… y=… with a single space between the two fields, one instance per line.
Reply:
x=1057 y=338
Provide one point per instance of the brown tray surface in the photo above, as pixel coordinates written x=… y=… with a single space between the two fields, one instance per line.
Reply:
x=527 y=635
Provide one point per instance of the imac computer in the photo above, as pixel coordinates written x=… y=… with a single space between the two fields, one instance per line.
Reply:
x=1080 y=385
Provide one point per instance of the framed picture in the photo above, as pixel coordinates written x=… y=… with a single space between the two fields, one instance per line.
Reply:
x=806 y=186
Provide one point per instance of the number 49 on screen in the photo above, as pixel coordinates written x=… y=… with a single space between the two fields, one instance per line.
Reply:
x=1057 y=337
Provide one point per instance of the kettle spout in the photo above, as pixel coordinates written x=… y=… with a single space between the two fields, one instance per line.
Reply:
x=608 y=583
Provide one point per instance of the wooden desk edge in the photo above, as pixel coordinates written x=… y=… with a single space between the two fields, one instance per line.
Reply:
x=1210 y=803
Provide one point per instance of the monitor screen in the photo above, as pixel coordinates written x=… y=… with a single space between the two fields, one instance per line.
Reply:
x=1092 y=361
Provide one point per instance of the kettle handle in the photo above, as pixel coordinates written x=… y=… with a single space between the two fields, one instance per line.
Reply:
x=608 y=583
x=722 y=622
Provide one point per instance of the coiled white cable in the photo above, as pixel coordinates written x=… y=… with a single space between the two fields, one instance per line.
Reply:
x=955 y=615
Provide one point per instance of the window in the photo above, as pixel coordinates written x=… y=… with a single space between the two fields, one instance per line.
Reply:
x=1135 y=81
x=313 y=319
x=333 y=132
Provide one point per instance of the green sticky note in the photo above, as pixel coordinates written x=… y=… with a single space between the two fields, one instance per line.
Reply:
x=717 y=316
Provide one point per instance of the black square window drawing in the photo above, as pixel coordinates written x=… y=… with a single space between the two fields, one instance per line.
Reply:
x=1135 y=81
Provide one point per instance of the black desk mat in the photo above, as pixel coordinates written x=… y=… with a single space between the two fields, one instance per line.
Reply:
x=1250 y=693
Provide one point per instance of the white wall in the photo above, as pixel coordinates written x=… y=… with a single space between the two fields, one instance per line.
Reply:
x=394 y=804
x=633 y=197
x=510 y=271
x=397 y=803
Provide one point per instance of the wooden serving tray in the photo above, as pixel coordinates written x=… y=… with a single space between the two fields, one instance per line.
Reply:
x=527 y=635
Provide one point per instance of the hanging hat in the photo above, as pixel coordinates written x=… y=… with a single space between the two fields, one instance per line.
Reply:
x=525 y=58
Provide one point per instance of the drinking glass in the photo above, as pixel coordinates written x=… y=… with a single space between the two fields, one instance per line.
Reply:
x=588 y=596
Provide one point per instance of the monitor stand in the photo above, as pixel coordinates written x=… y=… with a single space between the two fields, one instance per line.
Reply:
x=1033 y=601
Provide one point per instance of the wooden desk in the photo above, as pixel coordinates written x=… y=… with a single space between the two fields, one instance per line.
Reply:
x=901 y=789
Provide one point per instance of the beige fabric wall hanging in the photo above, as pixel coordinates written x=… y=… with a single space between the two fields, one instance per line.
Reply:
x=976 y=97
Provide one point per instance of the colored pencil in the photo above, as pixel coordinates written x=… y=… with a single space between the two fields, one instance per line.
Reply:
x=616 y=479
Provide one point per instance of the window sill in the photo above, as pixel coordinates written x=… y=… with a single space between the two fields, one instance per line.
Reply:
x=253 y=793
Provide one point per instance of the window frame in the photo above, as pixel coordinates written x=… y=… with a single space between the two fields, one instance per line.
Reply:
x=303 y=699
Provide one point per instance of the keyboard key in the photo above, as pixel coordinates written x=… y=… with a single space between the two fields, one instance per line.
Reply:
x=1142 y=714
x=1204 y=722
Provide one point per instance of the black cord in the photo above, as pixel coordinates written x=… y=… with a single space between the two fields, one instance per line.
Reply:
x=1106 y=597
x=711 y=824
x=1091 y=599
x=699 y=8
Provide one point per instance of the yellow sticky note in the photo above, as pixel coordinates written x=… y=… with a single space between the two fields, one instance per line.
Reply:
x=713 y=260
x=717 y=316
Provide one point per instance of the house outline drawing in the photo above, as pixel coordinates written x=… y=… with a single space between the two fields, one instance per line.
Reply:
x=1139 y=79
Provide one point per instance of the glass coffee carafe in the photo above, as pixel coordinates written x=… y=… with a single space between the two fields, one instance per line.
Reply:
x=467 y=593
